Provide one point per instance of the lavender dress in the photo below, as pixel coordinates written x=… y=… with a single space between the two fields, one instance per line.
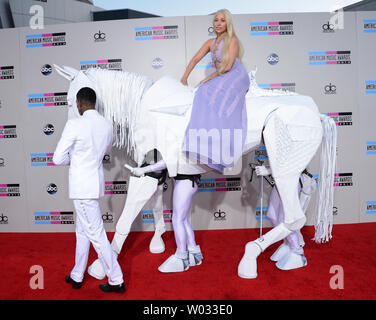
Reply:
x=217 y=129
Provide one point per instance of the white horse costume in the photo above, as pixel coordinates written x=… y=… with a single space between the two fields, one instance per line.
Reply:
x=148 y=116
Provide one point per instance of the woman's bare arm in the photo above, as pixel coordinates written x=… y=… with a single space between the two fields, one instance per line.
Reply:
x=197 y=57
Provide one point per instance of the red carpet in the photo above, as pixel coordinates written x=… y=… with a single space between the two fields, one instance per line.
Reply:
x=353 y=247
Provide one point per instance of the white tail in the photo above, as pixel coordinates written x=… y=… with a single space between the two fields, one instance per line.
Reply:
x=324 y=202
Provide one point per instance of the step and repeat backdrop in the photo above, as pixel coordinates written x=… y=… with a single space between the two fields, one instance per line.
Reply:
x=301 y=52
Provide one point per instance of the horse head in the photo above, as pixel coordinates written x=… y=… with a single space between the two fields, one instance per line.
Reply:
x=78 y=79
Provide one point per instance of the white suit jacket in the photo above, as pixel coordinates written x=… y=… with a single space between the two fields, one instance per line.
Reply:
x=83 y=144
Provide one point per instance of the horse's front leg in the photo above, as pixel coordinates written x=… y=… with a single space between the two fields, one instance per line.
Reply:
x=140 y=190
x=156 y=244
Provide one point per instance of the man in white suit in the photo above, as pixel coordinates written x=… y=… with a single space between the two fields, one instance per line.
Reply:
x=83 y=145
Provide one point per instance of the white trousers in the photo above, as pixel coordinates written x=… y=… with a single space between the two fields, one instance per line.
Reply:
x=89 y=229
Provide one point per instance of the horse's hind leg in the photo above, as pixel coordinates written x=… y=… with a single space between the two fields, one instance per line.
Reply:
x=288 y=156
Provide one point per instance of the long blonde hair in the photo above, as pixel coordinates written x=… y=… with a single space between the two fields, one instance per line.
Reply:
x=226 y=40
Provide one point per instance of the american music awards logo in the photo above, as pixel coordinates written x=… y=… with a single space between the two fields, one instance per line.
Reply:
x=219 y=184
x=54 y=99
x=156 y=33
x=369 y=25
x=329 y=57
x=370 y=86
x=328 y=27
x=371 y=147
x=3 y=219
x=211 y=31
x=330 y=89
x=10 y=190
x=286 y=86
x=341 y=118
x=371 y=207
x=8 y=132
x=148 y=217
x=6 y=72
x=340 y=179
x=343 y=179
x=108 y=64
x=41 y=159
x=272 y=28
x=106 y=159
x=219 y=215
x=46 y=40
x=53 y=217
x=99 y=36
x=108 y=217
x=115 y=187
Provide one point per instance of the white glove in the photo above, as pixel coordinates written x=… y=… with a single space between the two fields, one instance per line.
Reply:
x=263 y=171
x=139 y=172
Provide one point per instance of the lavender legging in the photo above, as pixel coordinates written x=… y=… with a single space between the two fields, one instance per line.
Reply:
x=276 y=215
x=182 y=199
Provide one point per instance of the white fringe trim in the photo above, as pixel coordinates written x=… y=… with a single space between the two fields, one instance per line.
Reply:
x=324 y=201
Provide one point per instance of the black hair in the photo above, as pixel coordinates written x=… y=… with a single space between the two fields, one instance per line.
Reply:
x=87 y=96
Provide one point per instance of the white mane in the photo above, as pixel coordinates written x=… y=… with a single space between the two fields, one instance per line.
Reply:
x=119 y=95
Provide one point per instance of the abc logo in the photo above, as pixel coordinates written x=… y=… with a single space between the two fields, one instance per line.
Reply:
x=48 y=129
x=51 y=188
x=272 y=59
x=157 y=63
x=2 y=162
x=46 y=70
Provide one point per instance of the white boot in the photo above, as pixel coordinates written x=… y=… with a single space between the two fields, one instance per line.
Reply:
x=295 y=259
x=282 y=250
x=195 y=256
x=156 y=244
x=96 y=269
x=178 y=262
x=248 y=265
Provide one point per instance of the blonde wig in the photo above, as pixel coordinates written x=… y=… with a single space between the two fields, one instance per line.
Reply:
x=226 y=40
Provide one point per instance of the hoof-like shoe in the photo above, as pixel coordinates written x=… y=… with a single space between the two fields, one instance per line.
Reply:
x=195 y=256
x=247 y=267
x=96 y=270
x=282 y=251
x=295 y=259
x=175 y=263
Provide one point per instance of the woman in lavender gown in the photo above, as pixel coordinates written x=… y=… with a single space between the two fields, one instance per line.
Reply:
x=217 y=129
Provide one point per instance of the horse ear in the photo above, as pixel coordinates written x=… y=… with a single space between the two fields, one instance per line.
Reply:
x=72 y=71
x=63 y=73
